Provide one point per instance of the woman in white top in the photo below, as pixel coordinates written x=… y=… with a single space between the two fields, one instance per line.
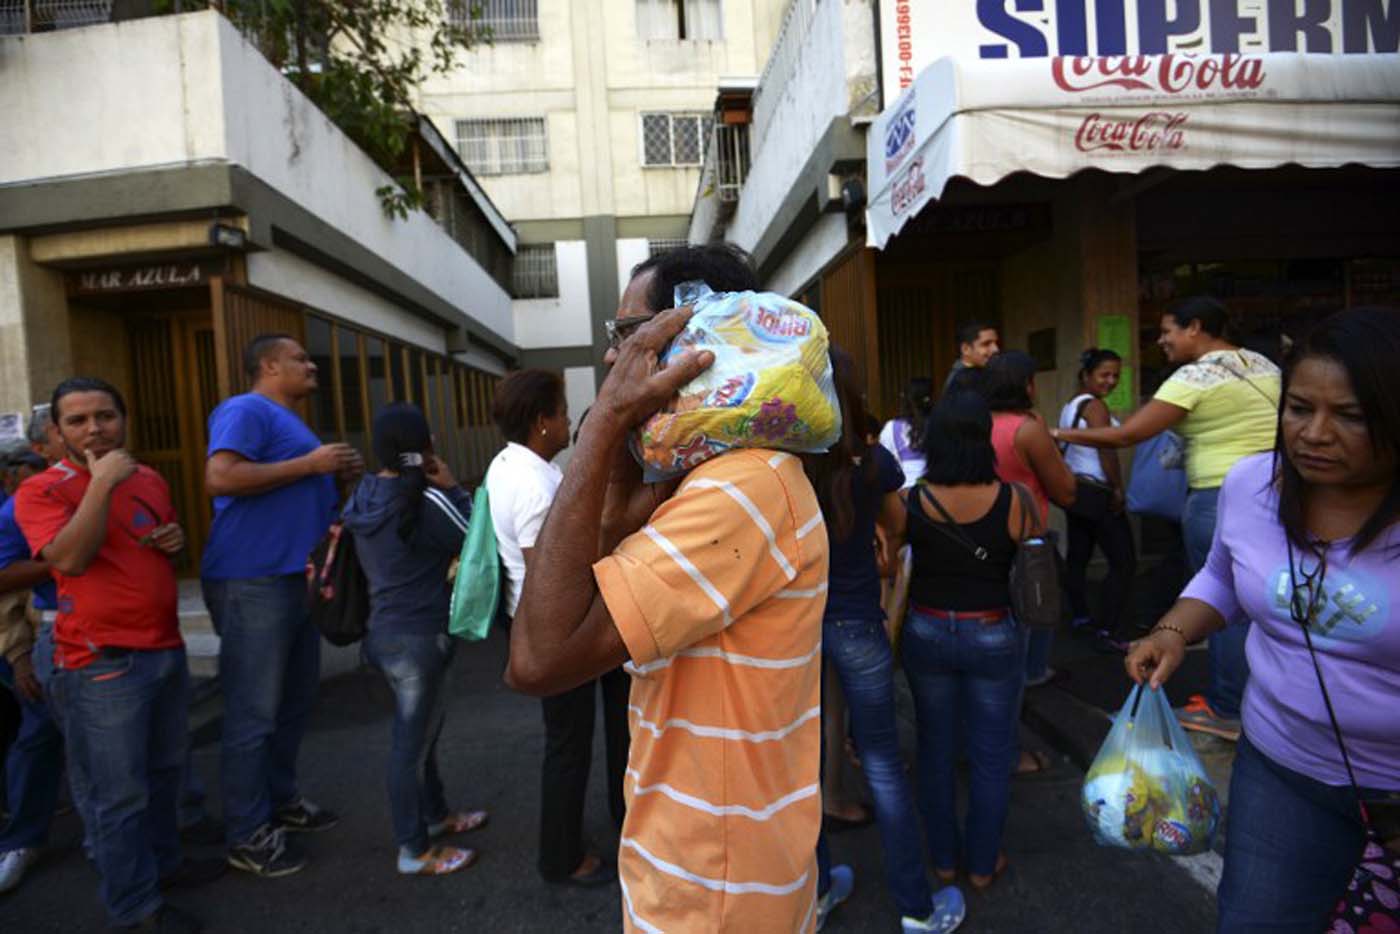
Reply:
x=1099 y=372
x=904 y=436
x=532 y=412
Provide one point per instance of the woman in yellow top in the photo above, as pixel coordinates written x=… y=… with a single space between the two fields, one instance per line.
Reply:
x=1224 y=401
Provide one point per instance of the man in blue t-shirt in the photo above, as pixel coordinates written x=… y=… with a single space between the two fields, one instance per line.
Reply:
x=34 y=763
x=274 y=489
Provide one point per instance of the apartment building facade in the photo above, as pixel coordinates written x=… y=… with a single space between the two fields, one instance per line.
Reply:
x=587 y=123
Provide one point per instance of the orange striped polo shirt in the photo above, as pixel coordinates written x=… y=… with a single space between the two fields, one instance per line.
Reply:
x=719 y=600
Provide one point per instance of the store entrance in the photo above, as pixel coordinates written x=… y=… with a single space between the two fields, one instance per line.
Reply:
x=174 y=388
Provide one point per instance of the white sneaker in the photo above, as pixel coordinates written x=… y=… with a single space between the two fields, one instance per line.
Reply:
x=949 y=910
x=843 y=882
x=13 y=866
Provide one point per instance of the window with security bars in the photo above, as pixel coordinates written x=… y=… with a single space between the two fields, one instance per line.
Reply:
x=665 y=245
x=502 y=20
x=503 y=146
x=675 y=139
x=679 y=19
x=536 y=272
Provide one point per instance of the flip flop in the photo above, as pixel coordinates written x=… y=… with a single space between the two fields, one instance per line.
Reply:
x=458 y=822
x=442 y=860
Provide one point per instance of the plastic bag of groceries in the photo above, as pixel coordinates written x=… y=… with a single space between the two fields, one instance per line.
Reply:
x=770 y=386
x=1147 y=788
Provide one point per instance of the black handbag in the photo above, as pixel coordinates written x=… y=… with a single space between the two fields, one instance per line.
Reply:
x=1035 y=570
x=1092 y=497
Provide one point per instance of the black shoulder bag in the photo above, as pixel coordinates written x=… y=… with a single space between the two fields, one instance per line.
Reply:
x=1035 y=572
x=1363 y=906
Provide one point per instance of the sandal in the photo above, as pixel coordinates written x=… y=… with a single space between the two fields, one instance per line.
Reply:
x=1039 y=762
x=458 y=822
x=833 y=823
x=441 y=860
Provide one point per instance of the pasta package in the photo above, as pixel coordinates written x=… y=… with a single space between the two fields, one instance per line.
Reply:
x=1147 y=788
x=770 y=386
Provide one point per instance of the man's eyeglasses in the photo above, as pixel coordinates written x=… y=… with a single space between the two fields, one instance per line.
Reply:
x=619 y=329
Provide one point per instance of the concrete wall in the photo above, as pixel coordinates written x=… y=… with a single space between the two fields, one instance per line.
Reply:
x=818 y=247
x=288 y=274
x=183 y=90
x=834 y=77
x=34 y=348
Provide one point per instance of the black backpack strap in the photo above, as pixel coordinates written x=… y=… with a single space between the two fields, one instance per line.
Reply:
x=949 y=526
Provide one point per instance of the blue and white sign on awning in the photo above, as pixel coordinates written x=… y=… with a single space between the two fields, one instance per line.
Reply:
x=986 y=119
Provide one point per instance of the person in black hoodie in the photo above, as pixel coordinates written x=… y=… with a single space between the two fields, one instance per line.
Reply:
x=408 y=522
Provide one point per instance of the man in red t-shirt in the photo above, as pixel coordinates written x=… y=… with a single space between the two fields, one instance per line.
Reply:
x=107 y=528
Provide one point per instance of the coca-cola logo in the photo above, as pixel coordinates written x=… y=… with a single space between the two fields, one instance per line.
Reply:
x=908 y=189
x=1162 y=74
x=1150 y=132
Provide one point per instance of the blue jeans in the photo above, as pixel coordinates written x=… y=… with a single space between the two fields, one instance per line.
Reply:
x=966 y=677
x=126 y=729
x=416 y=668
x=1291 y=844
x=270 y=669
x=860 y=652
x=33 y=770
x=1229 y=668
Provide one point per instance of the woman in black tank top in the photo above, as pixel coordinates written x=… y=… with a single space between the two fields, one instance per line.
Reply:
x=963 y=653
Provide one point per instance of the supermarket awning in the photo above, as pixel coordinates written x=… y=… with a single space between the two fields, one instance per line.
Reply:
x=985 y=120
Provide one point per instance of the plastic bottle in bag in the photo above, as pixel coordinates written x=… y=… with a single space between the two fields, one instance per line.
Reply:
x=1147 y=788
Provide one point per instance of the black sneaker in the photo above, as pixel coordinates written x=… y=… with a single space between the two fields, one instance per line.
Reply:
x=204 y=832
x=301 y=816
x=268 y=853
x=192 y=873
x=167 y=919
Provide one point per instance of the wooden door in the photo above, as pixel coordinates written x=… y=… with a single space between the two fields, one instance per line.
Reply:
x=239 y=315
x=848 y=309
x=174 y=390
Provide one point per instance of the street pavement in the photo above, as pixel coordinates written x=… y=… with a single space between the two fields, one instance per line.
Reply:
x=1059 y=880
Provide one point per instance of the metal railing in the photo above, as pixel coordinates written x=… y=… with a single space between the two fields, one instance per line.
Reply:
x=504 y=20
x=797 y=23
x=18 y=17
x=731 y=154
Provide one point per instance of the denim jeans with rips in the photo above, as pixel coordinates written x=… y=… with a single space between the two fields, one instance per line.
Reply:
x=416 y=668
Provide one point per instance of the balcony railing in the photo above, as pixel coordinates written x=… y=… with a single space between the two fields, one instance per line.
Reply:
x=505 y=20
x=797 y=22
x=18 y=17
x=729 y=154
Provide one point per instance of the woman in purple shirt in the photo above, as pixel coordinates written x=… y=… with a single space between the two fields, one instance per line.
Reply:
x=1309 y=532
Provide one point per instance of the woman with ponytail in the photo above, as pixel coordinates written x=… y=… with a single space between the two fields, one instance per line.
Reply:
x=409 y=520
x=1099 y=372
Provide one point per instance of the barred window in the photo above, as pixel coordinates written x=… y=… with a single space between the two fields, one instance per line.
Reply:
x=665 y=245
x=503 y=147
x=536 y=273
x=505 y=20
x=675 y=139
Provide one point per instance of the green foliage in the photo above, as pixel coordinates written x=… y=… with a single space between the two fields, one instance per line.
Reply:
x=361 y=62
